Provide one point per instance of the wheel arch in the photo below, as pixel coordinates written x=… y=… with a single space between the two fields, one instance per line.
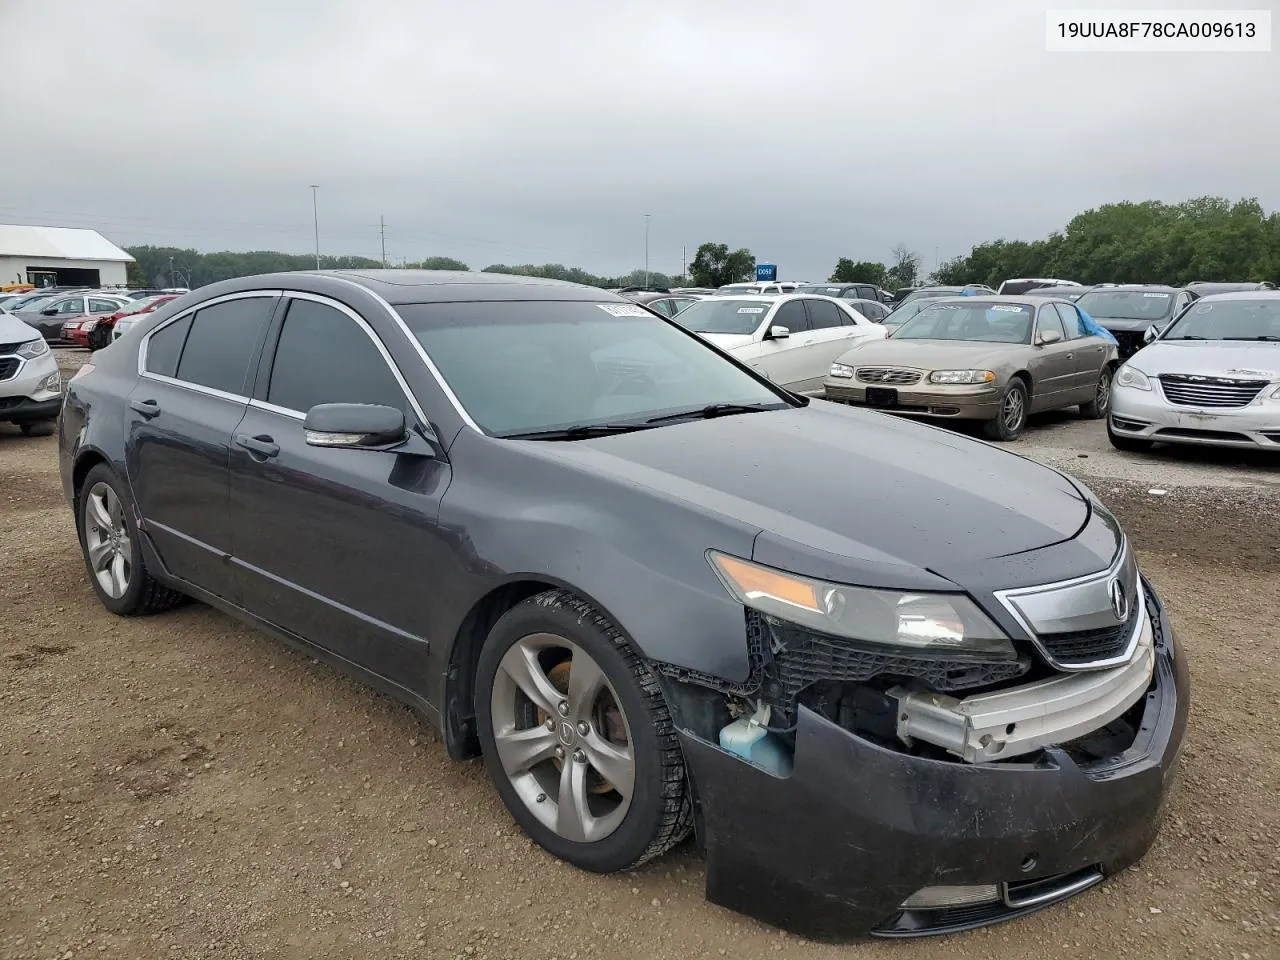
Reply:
x=1025 y=376
x=86 y=459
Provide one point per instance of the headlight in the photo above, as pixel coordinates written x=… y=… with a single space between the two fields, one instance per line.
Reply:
x=88 y=325
x=52 y=383
x=921 y=621
x=1276 y=395
x=1130 y=377
x=962 y=376
x=841 y=370
x=32 y=349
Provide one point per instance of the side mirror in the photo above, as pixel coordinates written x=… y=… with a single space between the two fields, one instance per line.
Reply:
x=778 y=333
x=1047 y=337
x=358 y=425
x=1153 y=331
x=49 y=312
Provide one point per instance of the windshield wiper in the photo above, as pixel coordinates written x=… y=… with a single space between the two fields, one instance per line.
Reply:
x=581 y=431
x=1262 y=336
x=716 y=410
x=1185 y=336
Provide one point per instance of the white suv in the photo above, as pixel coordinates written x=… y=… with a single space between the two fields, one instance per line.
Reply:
x=30 y=385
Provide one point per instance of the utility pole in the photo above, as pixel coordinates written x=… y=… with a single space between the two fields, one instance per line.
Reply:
x=382 y=229
x=646 y=251
x=172 y=281
x=315 y=215
x=684 y=263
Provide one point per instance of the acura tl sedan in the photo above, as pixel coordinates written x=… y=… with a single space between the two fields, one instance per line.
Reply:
x=644 y=583
x=791 y=339
x=1211 y=377
x=990 y=360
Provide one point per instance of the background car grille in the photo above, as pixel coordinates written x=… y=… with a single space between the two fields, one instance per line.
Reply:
x=1088 y=646
x=801 y=657
x=1188 y=391
x=8 y=367
x=888 y=376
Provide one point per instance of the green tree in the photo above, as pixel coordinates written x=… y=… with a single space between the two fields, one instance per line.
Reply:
x=438 y=263
x=906 y=267
x=714 y=266
x=864 y=271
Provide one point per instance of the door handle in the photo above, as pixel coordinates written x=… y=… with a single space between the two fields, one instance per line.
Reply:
x=261 y=445
x=148 y=408
x=1071 y=356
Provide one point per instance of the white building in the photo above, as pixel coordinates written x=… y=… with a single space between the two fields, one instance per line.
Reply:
x=60 y=256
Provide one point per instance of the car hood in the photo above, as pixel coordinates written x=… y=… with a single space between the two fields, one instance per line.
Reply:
x=14 y=330
x=728 y=341
x=1210 y=358
x=931 y=354
x=842 y=493
x=1127 y=324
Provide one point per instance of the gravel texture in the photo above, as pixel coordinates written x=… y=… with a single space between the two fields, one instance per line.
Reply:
x=181 y=787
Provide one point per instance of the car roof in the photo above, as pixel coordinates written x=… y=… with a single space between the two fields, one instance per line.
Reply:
x=1122 y=287
x=424 y=286
x=1000 y=298
x=1240 y=295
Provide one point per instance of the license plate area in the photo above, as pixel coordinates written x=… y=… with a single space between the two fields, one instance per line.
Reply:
x=882 y=397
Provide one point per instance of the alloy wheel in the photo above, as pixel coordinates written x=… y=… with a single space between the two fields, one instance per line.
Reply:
x=1014 y=410
x=562 y=737
x=1102 y=395
x=107 y=541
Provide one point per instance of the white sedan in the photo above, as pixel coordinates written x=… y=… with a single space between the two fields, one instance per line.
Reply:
x=791 y=339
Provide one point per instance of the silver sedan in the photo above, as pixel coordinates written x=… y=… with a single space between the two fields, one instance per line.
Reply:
x=1212 y=376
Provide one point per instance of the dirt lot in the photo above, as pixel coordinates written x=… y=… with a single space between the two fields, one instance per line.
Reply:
x=180 y=787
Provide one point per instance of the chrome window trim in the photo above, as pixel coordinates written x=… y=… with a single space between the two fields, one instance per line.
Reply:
x=282 y=411
x=417 y=345
x=146 y=339
x=195 y=387
x=1007 y=600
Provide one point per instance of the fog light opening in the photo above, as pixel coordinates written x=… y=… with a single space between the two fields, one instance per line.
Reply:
x=1029 y=863
x=939 y=898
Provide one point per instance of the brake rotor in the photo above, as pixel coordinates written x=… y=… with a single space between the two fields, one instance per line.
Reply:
x=606 y=720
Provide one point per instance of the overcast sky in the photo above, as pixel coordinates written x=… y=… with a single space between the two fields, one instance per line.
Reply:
x=499 y=131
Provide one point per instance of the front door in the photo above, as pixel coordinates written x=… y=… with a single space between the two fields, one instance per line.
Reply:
x=337 y=546
x=1090 y=352
x=1053 y=365
x=784 y=361
x=180 y=418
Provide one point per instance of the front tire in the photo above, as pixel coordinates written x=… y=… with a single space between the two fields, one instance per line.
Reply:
x=577 y=738
x=1012 y=418
x=1128 y=444
x=112 y=550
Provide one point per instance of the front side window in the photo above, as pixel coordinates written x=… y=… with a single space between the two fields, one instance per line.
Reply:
x=103 y=306
x=1050 y=322
x=323 y=356
x=529 y=367
x=792 y=316
x=223 y=341
x=74 y=305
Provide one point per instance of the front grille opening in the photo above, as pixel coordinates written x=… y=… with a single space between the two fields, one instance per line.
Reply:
x=1202 y=434
x=1080 y=647
x=1196 y=391
x=9 y=367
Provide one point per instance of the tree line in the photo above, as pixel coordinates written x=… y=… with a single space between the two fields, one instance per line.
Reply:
x=1208 y=238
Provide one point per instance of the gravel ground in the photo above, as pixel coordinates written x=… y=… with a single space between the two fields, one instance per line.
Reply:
x=178 y=786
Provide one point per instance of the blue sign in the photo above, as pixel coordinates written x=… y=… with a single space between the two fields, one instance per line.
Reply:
x=766 y=271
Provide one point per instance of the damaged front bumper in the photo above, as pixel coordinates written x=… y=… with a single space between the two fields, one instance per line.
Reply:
x=858 y=838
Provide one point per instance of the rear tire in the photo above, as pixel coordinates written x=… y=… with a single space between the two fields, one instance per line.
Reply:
x=1012 y=418
x=1128 y=444
x=1100 y=405
x=609 y=823
x=112 y=548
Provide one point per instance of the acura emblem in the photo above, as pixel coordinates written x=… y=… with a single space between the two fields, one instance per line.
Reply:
x=1119 y=600
x=566 y=733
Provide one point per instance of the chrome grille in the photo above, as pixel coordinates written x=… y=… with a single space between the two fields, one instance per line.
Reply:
x=889 y=376
x=1189 y=390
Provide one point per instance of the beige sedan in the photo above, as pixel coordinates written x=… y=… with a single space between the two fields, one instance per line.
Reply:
x=991 y=359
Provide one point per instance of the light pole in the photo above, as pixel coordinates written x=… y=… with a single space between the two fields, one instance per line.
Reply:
x=315 y=215
x=172 y=281
x=646 y=251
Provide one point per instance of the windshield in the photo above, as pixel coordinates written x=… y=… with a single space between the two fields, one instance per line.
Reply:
x=1228 y=320
x=824 y=289
x=527 y=367
x=976 y=320
x=737 y=289
x=146 y=303
x=1127 y=304
x=31 y=302
x=724 y=316
x=934 y=292
x=907 y=311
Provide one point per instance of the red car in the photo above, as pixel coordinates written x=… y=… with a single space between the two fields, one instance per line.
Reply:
x=95 y=333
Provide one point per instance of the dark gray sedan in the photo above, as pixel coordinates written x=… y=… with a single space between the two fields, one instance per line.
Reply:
x=649 y=587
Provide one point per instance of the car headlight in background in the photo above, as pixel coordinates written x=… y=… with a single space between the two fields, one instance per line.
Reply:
x=32 y=349
x=52 y=383
x=1276 y=395
x=88 y=325
x=1128 y=376
x=962 y=376
x=933 y=622
x=841 y=370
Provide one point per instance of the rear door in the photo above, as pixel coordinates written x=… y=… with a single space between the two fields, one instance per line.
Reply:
x=784 y=361
x=1053 y=365
x=1090 y=352
x=339 y=546
x=193 y=390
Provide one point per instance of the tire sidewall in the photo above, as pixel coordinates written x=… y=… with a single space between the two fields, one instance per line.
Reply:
x=629 y=842
x=137 y=576
x=998 y=430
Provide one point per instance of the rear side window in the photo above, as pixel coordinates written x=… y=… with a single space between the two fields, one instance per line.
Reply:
x=324 y=357
x=224 y=339
x=165 y=347
x=823 y=315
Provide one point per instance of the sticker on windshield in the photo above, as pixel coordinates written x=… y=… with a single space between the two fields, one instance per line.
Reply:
x=1158 y=296
x=751 y=309
x=1004 y=308
x=624 y=310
